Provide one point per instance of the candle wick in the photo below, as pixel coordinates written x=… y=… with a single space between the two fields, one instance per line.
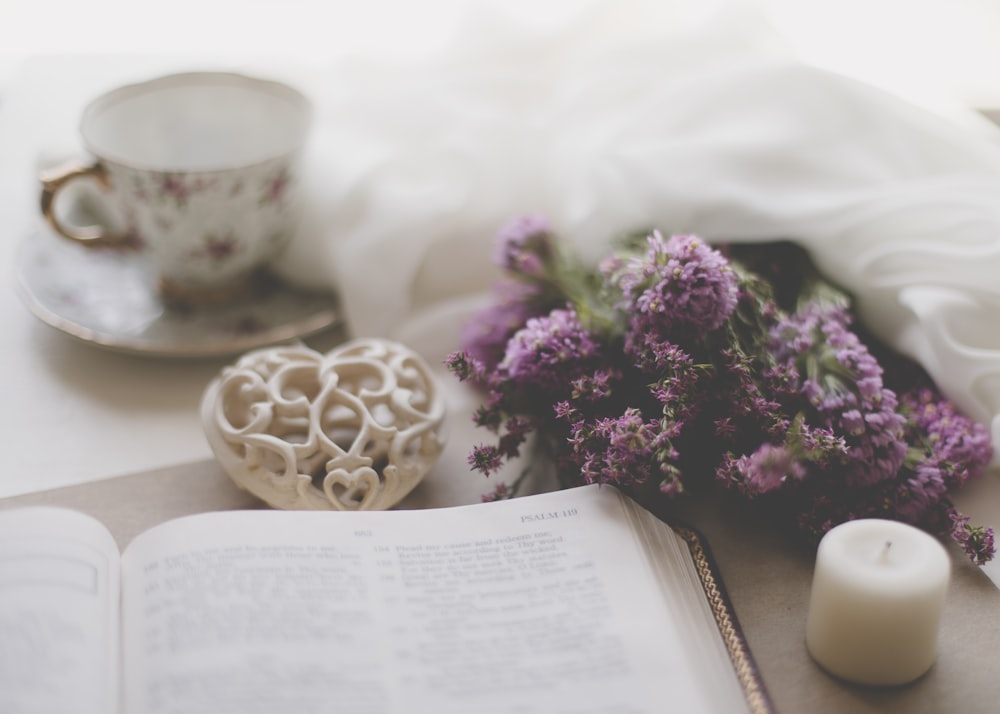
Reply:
x=884 y=555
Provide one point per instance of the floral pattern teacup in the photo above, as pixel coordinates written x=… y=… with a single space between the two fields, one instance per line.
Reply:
x=199 y=171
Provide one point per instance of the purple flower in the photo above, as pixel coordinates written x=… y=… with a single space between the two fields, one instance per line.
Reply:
x=627 y=451
x=516 y=433
x=954 y=441
x=976 y=541
x=918 y=493
x=465 y=367
x=597 y=386
x=668 y=364
x=679 y=383
x=653 y=354
x=491 y=414
x=948 y=449
x=486 y=458
x=678 y=282
x=501 y=492
x=549 y=352
x=565 y=410
x=765 y=470
x=524 y=246
x=841 y=383
x=485 y=336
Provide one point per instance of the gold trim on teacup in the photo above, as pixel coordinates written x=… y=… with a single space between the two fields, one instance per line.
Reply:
x=53 y=180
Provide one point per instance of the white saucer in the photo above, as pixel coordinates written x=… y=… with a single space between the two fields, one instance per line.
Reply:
x=106 y=297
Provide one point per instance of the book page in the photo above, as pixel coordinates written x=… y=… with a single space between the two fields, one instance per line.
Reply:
x=683 y=590
x=58 y=613
x=539 y=604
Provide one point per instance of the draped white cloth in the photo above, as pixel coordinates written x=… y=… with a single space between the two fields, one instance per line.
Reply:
x=610 y=129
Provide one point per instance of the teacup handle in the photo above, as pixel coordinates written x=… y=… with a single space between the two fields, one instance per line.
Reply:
x=53 y=181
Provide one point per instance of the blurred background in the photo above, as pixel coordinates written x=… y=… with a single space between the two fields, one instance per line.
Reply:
x=936 y=53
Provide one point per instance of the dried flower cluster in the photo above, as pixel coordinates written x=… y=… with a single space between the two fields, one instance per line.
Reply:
x=676 y=365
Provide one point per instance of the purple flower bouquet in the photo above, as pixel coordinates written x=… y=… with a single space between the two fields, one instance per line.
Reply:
x=676 y=366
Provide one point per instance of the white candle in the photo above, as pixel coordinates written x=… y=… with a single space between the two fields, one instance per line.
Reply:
x=875 y=608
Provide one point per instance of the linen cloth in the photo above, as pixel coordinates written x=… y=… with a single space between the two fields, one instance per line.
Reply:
x=606 y=129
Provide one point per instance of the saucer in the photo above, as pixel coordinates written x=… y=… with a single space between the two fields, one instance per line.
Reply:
x=107 y=297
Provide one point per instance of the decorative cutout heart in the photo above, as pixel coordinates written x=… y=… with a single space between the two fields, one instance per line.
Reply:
x=354 y=429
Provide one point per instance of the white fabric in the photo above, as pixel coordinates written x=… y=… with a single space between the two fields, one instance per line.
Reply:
x=607 y=132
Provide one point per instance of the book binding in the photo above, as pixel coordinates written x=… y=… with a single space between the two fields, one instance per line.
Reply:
x=749 y=677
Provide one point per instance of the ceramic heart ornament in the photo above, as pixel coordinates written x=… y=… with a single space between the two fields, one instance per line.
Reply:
x=356 y=428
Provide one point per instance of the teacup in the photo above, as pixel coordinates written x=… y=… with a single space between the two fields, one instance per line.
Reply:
x=199 y=171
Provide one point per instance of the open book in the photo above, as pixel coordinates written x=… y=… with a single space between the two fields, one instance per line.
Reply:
x=573 y=601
